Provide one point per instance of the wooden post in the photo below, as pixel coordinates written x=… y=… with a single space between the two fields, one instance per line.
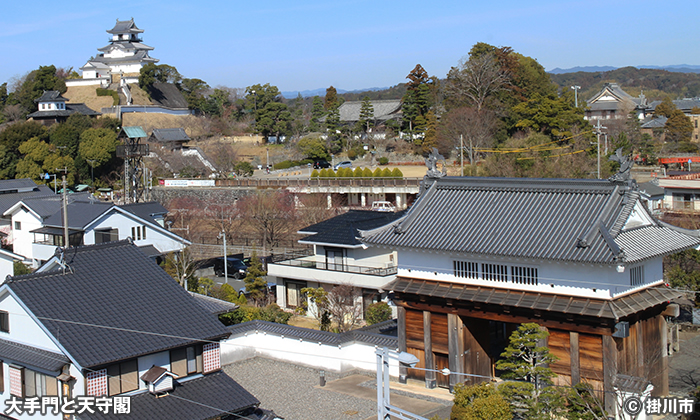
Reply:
x=639 y=330
x=663 y=331
x=401 y=326
x=609 y=373
x=430 y=377
x=575 y=360
x=455 y=346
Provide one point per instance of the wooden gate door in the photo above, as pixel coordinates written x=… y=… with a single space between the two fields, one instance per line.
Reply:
x=441 y=362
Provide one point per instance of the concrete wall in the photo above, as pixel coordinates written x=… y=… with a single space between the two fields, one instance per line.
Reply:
x=341 y=358
x=212 y=194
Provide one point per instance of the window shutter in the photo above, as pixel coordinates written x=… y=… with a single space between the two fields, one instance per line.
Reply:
x=16 y=388
x=212 y=357
x=97 y=383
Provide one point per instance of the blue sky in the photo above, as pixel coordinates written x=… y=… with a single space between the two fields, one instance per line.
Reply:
x=350 y=44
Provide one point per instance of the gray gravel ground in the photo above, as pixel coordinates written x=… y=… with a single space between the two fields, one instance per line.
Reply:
x=289 y=391
x=684 y=367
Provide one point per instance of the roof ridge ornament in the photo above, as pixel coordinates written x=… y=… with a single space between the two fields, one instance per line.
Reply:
x=431 y=162
x=626 y=163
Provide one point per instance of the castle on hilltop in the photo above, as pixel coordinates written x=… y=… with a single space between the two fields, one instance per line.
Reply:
x=118 y=62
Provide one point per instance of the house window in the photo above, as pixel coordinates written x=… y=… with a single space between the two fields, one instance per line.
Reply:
x=123 y=377
x=186 y=360
x=494 y=272
x=97 y=383
x=637 y=275
x=523 y=275
x=106 y=235
x=39 y=385
x=334 y=259
x=16 y=381
x=466 y=269
x=18 y=225
x=211 y=356
x=4 y=321
x=294 y=296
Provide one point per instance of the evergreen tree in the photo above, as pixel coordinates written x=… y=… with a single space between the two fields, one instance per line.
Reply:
x=417 y=100
x=678 y=127
x=665 y=108
x=255 y=283
x=366 y=114
x=317 y=112
x=527 y=360
x=331 y=99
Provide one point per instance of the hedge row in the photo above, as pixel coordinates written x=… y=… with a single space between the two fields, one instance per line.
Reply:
x=107 y=92
x=358 y=173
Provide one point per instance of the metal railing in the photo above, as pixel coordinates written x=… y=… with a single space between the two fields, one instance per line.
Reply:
x=345 y=268
x=319 y=182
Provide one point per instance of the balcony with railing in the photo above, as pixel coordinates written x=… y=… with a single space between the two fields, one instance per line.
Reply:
x=310 y=267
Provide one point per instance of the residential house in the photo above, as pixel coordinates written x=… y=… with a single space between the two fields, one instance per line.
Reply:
x=7 y=262
x=384 y=110
x=582 y=258
x=653 y=195
x=13 y=191
x=337 y=257
x=105 y=320
x=54 y=108
x=172 y=138
x=38 y=226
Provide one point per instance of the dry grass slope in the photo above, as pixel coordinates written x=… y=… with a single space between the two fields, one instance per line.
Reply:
x=88 y=96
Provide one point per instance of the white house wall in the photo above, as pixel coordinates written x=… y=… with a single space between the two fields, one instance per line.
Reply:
x=23 y=329
x=585 y=280
x=124 y=223
x=7 y=266
x=161 y=359
x=23 y=239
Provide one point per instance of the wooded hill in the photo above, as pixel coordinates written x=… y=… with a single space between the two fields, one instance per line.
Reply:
x=655 y=83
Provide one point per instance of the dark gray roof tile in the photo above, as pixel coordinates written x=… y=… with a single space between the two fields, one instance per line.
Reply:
x=543 y=219
x=344 y=228
x=114 y=303
x=31 y=357
x=203 y=398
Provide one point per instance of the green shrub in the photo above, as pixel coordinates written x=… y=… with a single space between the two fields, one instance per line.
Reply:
x=245 y=313
x=352 y=155
x=323 y=173
x=383 y=160
x=396 y=173
x=377 y=173
x=358 y=172
x=367 y=173
x=347 y=173
x=20 y=268
x=314 y=174
x=378 y=312
x=386 y=173
x=483 y=401
x=285 y=164
x=107 y=92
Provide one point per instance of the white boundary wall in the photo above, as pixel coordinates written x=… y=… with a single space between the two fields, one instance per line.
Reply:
x=337 y=358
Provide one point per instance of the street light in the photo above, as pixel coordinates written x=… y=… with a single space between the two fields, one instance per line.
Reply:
x=576 y=88
x=384 y=408
x=92 y=171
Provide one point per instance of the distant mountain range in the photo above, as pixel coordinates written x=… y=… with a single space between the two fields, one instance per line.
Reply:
x=322 y=92
x=679 y=68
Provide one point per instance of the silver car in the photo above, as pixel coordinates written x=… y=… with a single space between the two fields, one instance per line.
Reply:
x=343 y=164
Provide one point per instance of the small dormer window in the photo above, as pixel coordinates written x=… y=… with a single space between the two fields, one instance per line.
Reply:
x=4 y=321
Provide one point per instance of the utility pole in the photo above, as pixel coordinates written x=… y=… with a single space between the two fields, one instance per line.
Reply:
x=576 y=88
x=461 y=154
x=223 y=235
x=598 y=132
x=64 y=206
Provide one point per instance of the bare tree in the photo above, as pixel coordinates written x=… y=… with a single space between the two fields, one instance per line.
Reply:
x=271 y=213
x=345 y=306
x=13 y=112
x=475 y=80
x=476 y=128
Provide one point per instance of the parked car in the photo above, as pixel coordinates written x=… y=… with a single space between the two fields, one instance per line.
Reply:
x=343 y=164
x=383 y=206
x=321 y=164
x=271 y=289
x=236 y=267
